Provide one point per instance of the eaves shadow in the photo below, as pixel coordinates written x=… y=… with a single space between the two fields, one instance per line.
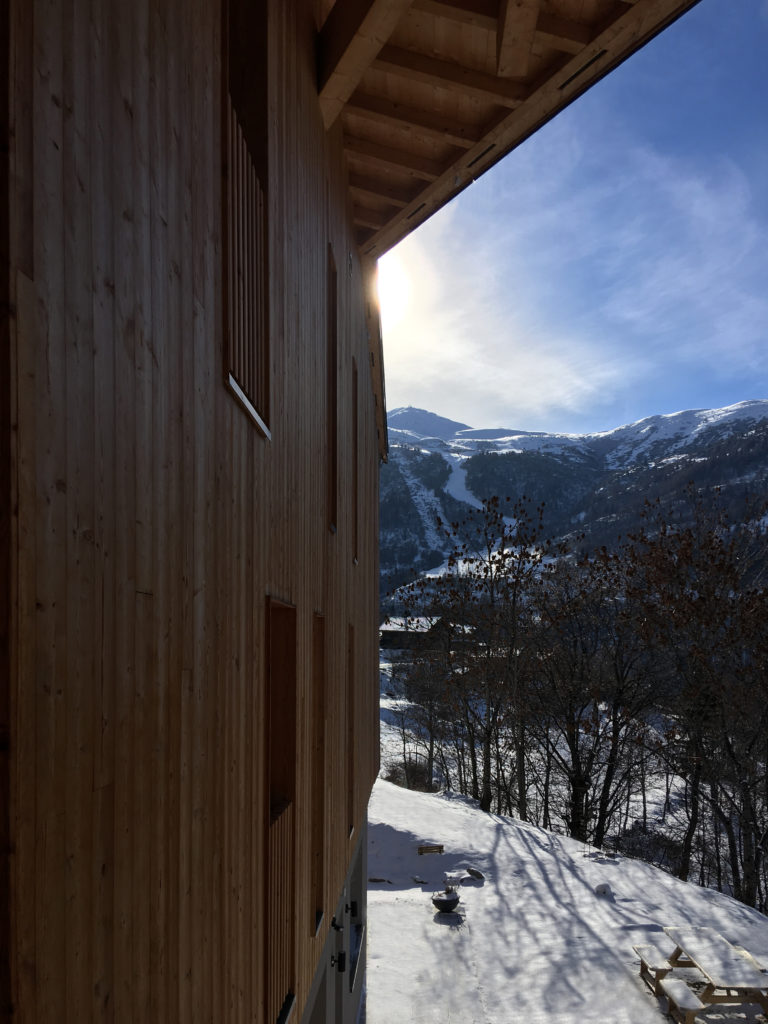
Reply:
x=393 y=854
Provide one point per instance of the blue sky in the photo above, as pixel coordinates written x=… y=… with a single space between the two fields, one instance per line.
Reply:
x=615 y=265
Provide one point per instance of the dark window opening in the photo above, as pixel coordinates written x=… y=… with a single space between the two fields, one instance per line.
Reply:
x=281 y=716
x=281 y=711
x=355 y=464
x=318 y=773
x=350 y=714
x=332 y=362
x=246 y=241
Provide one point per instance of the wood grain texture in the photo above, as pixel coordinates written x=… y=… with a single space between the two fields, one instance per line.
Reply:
x=8 y=594
x=149 y=521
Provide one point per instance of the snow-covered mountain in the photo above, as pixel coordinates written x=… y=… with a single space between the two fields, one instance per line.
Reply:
x=629 y=443
x=591 y=483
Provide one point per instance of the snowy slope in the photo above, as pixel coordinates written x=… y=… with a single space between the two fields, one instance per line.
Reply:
x=457 y=483
x=427 y=505
x=532 y=943
x=676 y=431
x=426 y=424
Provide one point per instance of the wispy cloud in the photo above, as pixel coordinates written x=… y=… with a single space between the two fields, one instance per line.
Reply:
x=583 y=269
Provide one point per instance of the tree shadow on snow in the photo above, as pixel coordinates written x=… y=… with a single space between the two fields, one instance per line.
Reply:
x=393 y=855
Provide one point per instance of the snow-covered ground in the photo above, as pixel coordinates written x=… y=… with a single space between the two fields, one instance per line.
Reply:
x=427 y=505
x=457 y=481
x=532 y=942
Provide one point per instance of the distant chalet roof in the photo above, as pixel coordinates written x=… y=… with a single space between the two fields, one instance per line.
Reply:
x=413 y=624
x=418 y=633
x=432 y=93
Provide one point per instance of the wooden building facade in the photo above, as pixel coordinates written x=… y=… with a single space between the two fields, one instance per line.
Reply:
x=192 y=598
x=192 y=199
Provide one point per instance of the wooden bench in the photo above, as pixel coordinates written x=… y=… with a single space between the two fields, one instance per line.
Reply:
x=653 y=966
x=684 y=1004
x=434 y=848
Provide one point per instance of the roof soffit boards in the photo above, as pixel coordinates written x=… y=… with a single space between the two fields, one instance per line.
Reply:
x=432 y=93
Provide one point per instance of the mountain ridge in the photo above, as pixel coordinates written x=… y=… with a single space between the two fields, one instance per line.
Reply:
x=411 y=419
x=593 y=484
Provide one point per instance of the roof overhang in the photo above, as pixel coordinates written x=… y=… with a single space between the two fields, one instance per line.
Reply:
x=432 y=93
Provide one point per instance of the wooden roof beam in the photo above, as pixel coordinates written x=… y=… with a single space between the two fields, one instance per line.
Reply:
x=560 y=33
x=380 y=190
x=477 y=13
x=414 y=164
x=353 y=33
x=628 y=27
x=445 y=129
x=563 y=34
x=619 y=9
x=363 y=235
x=447 y=75
x=514 y=37
x=368 y=218
x=573 y=36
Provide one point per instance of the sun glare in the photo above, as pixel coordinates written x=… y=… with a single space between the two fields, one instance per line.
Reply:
x=394 y=290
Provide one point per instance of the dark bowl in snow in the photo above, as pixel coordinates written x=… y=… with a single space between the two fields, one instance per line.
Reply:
x=446 y=901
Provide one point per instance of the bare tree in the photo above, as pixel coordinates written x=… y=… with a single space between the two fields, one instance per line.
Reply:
x=705 y=616
x=482 y=602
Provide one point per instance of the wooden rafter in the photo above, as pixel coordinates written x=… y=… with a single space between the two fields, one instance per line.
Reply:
x=448 y=75
x=618 y=10
x=558 y=32
x=368 y=218
x=446 y=129
x=352 y=35
x=477 y=13
x=388 y=157
x=380 y=190
x=514 y=36
x=564 y=34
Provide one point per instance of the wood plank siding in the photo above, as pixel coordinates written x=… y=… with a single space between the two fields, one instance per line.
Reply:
x=7 y=594
x=148 y=522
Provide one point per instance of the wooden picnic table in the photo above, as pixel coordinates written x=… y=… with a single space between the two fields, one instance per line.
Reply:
x=732 y=975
